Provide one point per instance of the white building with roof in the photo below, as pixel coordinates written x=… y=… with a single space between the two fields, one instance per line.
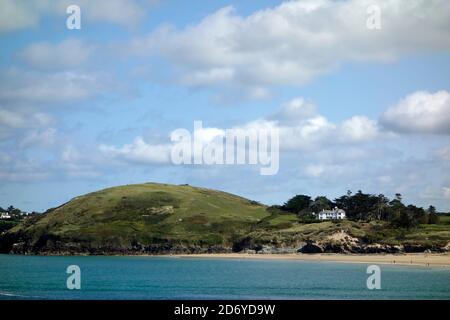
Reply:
x=5 y=215
x=334 y=214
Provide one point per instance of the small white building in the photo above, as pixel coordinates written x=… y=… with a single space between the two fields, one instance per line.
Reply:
x=334 y=214
x=5 y=215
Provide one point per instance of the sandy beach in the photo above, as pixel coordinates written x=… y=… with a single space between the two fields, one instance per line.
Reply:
x=413 y=259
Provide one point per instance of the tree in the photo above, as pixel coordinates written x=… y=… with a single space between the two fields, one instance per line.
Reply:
x=394 y=209
x=404 y=220
x=382 y=207
x=298 y=203
x=431 y=210
x=419 y=215
x=409 y=217
x=360 y=206
x=15 y=212
x=345 y=202
x=321 y=203
x=433 y=217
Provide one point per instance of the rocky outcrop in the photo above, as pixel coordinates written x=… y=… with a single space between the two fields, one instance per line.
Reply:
x=446 y=248
x=311 y=247
x=340 y=242
x=54 y=245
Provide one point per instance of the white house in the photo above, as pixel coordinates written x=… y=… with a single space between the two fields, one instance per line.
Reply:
x=335 y=214
x=4 y=215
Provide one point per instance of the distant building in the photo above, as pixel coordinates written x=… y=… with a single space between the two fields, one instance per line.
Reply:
x=335 y=214
x=5 y=215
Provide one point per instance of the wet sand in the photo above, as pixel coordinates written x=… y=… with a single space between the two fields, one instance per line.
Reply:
x=414 y=259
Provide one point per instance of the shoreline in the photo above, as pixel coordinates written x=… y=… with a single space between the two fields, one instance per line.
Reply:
x=410 y=259
x=405 y=259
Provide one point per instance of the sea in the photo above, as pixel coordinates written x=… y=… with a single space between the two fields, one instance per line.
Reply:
x=150 y=277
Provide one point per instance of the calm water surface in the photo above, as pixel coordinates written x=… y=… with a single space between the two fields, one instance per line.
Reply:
x=41 y=277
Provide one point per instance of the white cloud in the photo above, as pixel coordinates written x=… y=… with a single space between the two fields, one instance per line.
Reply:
x=295 y=41
x=28 y=87
x=11 y=119
x=358 y=129
x=21 y=14
x=19 y=119
x=139 y=152
x=420 y=112
x=300 y=127
x=294 y=111
x=66 y=54
x=16 y=14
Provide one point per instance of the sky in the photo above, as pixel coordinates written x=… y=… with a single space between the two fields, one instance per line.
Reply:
x=356 y=107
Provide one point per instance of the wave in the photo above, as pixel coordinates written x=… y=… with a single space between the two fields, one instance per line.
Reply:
x=16 y=295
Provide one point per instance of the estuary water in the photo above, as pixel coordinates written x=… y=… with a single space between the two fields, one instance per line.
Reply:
x=113 y=277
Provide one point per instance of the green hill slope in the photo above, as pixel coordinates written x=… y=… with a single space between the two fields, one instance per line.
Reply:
x=152 y=215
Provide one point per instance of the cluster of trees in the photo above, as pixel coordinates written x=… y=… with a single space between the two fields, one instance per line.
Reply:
x=364 y=207
x=16 y=212
x=13 y=212
x=16 y=215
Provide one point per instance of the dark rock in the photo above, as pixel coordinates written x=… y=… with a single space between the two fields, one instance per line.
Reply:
x=335 y=248
x=413 y=248
x=311 y=247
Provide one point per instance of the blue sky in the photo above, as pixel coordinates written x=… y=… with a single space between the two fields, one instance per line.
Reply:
x=74 y=103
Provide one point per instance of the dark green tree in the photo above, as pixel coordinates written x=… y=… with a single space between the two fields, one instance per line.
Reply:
x=298 y=203
x=321 y=203
x=433 y=217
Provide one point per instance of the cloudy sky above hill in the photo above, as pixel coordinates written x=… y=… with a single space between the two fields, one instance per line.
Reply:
x=356 y=108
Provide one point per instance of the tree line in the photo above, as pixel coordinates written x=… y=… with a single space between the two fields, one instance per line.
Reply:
x=13 y=212
x=361 y=206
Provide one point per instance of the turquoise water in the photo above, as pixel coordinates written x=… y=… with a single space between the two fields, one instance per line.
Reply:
x=40 y=277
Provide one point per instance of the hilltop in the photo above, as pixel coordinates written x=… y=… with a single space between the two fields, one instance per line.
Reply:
x=154 y=218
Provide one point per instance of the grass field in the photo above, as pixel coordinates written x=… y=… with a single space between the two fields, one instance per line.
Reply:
x=151 y=212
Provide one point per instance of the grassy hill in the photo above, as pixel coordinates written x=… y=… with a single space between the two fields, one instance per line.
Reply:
x=162 y=218
x=145 y=214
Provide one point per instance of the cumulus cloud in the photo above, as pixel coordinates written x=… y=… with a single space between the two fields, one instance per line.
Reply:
x=300 y=127
x=294 y=42
x=294 y=111
x=139 y=151
x=21 y=14
x=66 y=54
x=420 y=112
x=359 y=128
